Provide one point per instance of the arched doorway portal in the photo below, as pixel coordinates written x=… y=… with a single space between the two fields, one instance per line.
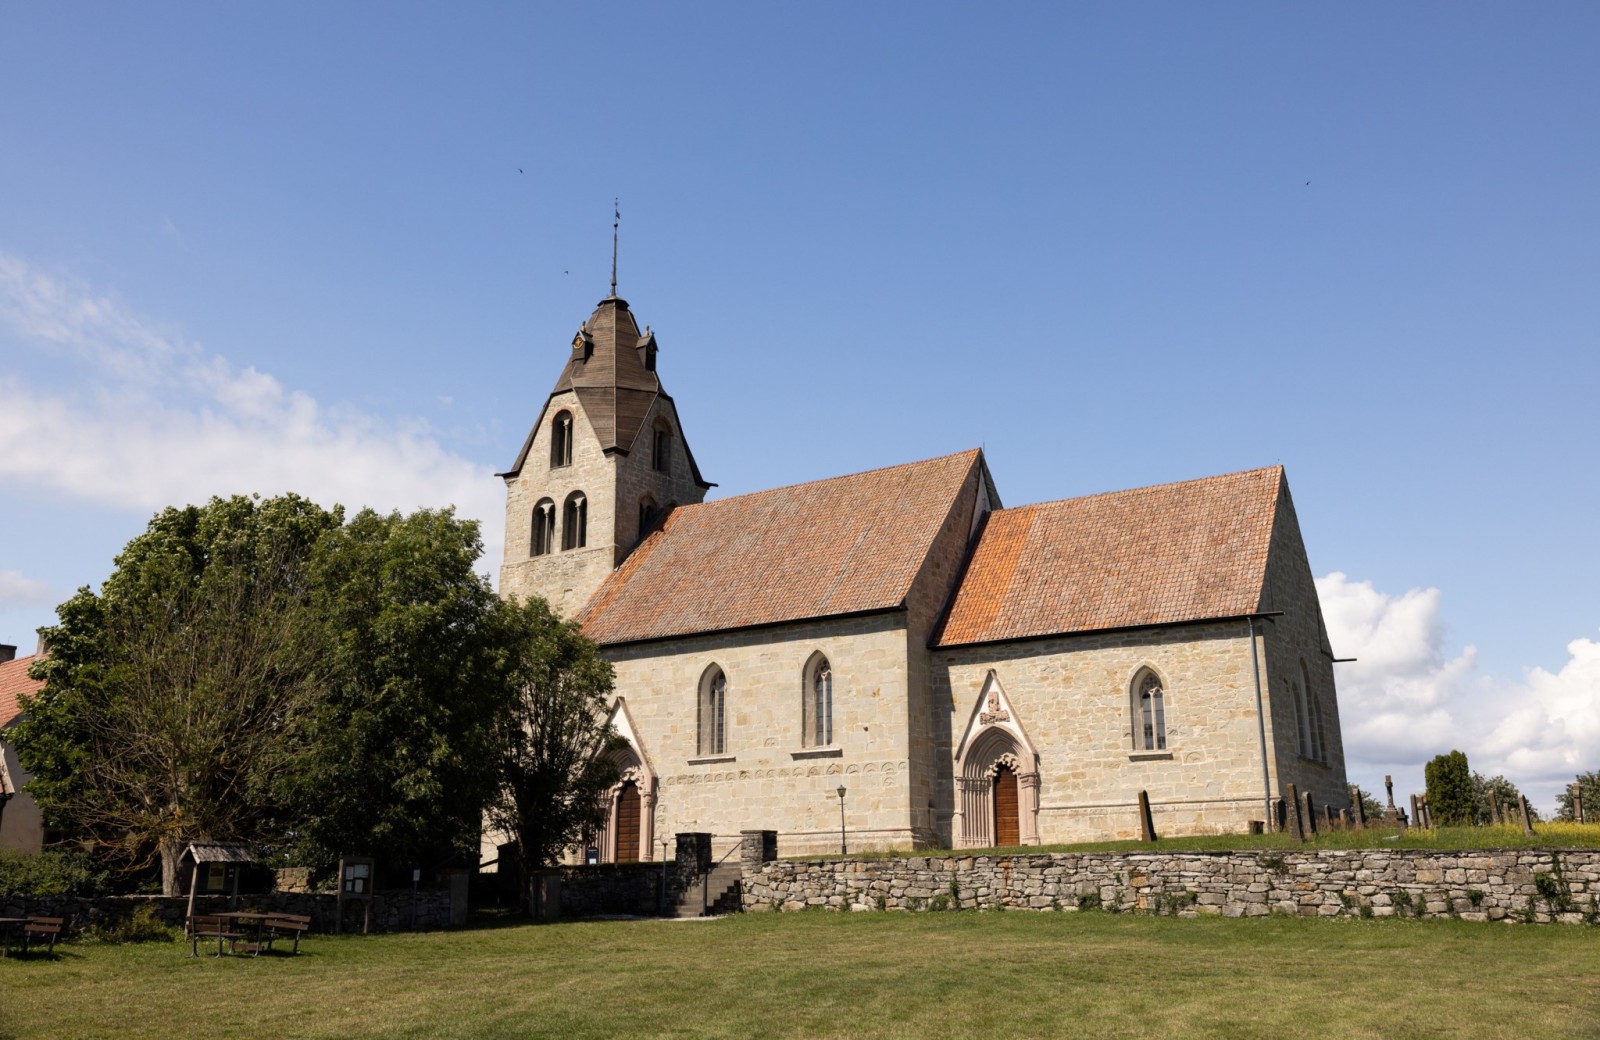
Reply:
x=1007 y=830
x=627 y=843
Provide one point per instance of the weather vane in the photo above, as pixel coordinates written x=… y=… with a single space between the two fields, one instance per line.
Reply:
x=616 y=222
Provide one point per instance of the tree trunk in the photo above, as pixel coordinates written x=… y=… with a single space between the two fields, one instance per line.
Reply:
x=171 y=852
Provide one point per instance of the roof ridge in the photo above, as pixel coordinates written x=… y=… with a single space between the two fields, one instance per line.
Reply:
x=1148 y=487
x=974 y=452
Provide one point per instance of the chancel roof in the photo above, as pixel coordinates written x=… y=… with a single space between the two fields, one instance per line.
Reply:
x=1151 y=556
x=842 y=546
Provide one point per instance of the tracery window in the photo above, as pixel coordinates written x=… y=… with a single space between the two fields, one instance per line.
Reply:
x=561 y=439
x=1302 y=711
x=1151 y=715
x=1317 y=745
x=575 y=521
x=543 y=536
x=711 y=723
x=817 y=703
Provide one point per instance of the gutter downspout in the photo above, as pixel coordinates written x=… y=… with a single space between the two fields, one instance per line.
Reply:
x=1261 y=727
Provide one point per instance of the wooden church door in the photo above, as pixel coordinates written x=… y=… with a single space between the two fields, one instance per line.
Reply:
x=628 y=823
x=1006 y=830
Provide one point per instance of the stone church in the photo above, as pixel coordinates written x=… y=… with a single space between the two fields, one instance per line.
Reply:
x=896 y=656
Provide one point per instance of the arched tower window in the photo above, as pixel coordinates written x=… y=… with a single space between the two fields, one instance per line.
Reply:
x=1149 y=713
x=816 y=711
x=561 y=439
x=661 y=447
x=543 y=539
x=713 y=713
x=575 y=521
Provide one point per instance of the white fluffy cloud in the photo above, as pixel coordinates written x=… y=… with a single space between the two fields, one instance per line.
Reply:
x=1406 y=699
x=149 y=420
x=19 y=590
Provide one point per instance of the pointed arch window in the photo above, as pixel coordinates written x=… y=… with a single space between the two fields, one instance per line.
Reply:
x=817 y=703
x=561 y=439
x=1150 y=714
x=1302 y=713
x=647 y=514
x=543 y=536
x=713 y=713
x=661 y=447
x=575 y=521
x=1316 y=743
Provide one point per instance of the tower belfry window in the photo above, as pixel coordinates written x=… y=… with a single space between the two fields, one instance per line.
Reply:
x=543 y=539
x=561 y=440
x=575 y=521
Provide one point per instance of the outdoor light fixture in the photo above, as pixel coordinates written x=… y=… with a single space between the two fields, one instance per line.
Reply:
x=842 y=851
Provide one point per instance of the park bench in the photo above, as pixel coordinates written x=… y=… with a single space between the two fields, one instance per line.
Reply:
x=282 y=926
x=42 y=930
x=208 y=927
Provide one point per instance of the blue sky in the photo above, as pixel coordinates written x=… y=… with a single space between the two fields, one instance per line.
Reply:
x=342 y=249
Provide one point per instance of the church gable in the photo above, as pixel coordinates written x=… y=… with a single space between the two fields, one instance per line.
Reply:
x=1150 y=556
x=848 y=545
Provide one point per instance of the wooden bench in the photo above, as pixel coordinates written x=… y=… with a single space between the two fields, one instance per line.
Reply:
x=208 y=927
x=42 y=929
x=282 y=926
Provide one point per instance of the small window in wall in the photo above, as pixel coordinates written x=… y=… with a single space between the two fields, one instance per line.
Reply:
x=561 y=439
x=661 y=448
x=1150 y=714
x=647 y=514
x=575 y=521
x=713 y=713
x=817 y=703
x=543 y=536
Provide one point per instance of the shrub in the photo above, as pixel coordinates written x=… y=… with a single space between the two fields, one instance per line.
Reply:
x=938 y=903
x=1089 y=901
x=53 y=872
x=143 y=925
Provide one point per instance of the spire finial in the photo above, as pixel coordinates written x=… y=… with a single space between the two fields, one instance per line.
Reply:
x=616 y=222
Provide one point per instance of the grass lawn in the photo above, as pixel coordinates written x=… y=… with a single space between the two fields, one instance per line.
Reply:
x=920 y=976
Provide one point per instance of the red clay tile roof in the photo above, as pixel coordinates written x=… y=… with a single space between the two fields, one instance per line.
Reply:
x=839 y=546
x=14 y=682
x=1177 y=552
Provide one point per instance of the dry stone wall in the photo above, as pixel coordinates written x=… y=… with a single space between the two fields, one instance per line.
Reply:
x=1513 y=885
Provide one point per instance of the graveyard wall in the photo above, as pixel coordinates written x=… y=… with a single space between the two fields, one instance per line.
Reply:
x=1513 y=885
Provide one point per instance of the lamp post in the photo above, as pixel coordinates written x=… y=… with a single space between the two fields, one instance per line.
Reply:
x=842 y=850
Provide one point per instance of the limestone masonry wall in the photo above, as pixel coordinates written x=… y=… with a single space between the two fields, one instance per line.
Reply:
x=1513 y=885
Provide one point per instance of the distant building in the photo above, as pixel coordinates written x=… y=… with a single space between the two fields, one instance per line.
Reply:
x=971 y=675
x=21 y=827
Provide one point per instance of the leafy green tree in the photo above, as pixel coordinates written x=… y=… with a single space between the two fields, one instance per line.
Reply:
x=175 y=698
x=403 y=757
x=1506 y=798
x=554 y=766
x=1589 y=787
x=1370 y=806
x=1450 y=797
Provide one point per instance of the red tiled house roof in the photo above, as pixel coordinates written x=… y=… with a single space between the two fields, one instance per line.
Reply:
x=848 y=545
x=1150 y=556
x=14 y=683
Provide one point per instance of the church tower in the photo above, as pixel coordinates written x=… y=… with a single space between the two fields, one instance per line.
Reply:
x=604 y=462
